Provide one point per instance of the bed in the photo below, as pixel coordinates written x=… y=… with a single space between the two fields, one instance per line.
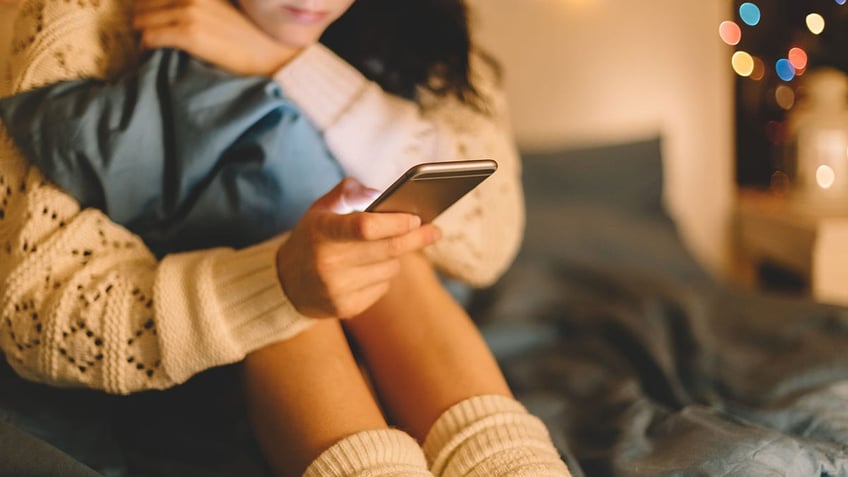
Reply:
x=640 y=363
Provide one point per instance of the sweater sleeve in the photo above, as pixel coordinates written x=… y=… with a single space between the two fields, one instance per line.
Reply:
x=377 y=136
x=84 y=302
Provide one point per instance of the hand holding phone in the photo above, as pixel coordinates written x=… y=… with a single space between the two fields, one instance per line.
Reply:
x=428 y=189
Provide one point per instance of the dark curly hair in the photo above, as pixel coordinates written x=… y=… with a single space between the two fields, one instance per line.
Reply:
x=404 y=44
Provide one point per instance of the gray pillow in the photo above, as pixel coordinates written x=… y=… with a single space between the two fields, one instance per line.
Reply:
x=626 y=176
x=602 y=207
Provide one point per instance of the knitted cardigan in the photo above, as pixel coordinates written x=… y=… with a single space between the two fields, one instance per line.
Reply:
x=85 y=303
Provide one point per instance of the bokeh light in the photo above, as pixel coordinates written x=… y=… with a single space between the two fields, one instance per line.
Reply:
x=749 y=13
x=815 y=23
x=743 y=63
x=759 y=70
x=775 y=132
x=784 y=96
x=784 y=69
x=825 y=176
x=730 y=32
x=779 y=183
x=841 y=2
x=798 y=58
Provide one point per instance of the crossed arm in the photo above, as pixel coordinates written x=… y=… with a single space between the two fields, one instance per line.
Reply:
x=102 y=300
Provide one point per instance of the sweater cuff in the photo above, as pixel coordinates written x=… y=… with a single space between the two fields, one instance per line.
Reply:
x=252 y=300
x=223 y=304
x=321 y=84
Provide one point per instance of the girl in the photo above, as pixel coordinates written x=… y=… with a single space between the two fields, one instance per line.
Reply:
x=307 y=398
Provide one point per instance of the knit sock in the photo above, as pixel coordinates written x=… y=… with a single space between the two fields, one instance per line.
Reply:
x=376 y=453
x=491 y=436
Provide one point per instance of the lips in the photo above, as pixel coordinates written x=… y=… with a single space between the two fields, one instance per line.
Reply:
x=304 y=16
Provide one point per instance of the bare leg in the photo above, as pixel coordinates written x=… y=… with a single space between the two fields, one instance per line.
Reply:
x=305 y=394
x=423 y=351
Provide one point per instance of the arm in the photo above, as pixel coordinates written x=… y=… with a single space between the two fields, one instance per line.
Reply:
x=181 y=153
x=84 y=303
x=365 y=127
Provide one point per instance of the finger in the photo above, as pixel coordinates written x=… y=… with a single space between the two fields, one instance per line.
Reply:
x=183 y=7
x=380 y=250
x=146 y=5
x=368 y=225
x=347 y=196
x=177 y=36
x=160 y=13
x=362 y=299
x=413 y=241
x=167 y=36
x=357 y=277
x=157 y=18
x=356 y=196
x=333 y=200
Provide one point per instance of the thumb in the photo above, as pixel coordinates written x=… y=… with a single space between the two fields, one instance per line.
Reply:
x=347 y=196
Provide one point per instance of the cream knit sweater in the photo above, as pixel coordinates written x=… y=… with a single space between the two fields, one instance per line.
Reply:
x=84 y=303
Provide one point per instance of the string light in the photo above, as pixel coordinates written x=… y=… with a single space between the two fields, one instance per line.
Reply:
x=746 y=65
x=815 y=23
x=743 y=63
x=825 y=176
x=730 y=32
x=784 y=69
x=772 y=106
x=784 y=96
x=759 y=69
x=798 y=58
x=749 y=13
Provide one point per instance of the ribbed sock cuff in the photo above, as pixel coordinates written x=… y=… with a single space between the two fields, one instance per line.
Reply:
x=377 y=453
x=491 y=436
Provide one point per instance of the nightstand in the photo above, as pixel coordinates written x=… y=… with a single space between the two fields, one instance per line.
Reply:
x=772 y=233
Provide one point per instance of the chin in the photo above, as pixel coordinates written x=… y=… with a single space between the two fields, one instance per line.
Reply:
x=296 y=39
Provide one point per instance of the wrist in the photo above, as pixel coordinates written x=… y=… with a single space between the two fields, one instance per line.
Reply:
x=277 y=58
x=278 y=261
x=283 y=263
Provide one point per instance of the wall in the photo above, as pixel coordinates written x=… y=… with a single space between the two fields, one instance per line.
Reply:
x=582 y=72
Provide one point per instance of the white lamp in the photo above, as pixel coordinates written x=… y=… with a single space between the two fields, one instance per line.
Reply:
x=820 y=131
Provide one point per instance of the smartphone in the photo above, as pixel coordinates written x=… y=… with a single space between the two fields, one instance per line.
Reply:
x=427 y=189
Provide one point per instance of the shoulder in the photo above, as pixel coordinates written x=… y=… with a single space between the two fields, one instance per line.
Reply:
x=487 y=105
x=58 y=41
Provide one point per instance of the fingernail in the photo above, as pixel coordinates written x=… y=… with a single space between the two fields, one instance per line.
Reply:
x=357 y=196
x=414 y=222
x=372 y=193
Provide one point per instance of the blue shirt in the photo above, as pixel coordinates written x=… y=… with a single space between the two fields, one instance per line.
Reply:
x=183 y=154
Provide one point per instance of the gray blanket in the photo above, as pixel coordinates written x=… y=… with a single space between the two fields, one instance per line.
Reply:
x=640 y=363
